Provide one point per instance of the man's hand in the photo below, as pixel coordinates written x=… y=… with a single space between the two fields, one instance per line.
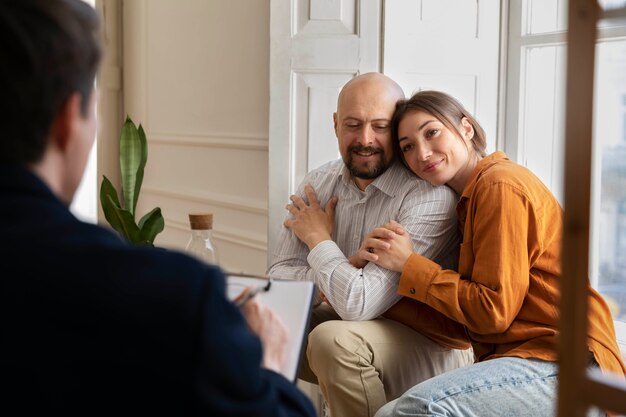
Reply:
x=388 y=246
x=270 y=329
x=311 y=224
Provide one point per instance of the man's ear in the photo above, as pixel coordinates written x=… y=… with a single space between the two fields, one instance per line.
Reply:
x=335 y=122
x=467 y=129
x=65 y=121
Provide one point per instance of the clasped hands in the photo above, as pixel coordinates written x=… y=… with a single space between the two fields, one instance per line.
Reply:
x=388 y=246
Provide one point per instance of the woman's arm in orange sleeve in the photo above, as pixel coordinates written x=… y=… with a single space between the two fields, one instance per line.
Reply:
x=496 y=262
x=430 y=323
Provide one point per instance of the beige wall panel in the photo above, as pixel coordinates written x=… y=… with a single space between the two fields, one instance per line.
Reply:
x=231 y=222
x=208 y=66
x=196 y=75
x=232 y=172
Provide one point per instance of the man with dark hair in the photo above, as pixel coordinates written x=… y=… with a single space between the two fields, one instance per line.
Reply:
x=91 y=325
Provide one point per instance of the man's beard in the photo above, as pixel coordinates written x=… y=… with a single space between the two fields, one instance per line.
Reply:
x=367 y=171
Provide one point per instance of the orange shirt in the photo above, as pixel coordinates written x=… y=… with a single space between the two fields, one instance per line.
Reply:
x=507 y=289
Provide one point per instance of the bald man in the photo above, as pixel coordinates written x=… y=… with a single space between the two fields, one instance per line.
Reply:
x=360 y=359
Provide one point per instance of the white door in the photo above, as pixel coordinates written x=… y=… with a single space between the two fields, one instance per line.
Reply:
x=448 y=45
x=316 y=47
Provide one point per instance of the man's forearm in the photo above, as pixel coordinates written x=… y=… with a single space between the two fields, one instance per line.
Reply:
x=354 y=293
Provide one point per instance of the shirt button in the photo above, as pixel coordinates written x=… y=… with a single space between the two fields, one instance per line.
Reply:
x=412 y=290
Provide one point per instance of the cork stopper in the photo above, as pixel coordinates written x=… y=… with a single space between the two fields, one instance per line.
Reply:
x=201 y=221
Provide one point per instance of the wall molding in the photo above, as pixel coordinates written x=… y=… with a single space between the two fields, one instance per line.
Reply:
x=223 y=235
x=211 y=140
x=214 y=199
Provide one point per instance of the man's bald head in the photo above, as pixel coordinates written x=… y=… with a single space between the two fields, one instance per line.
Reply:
x=371 y=82
x=362 y=124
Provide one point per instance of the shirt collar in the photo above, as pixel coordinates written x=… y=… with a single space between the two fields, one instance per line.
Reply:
x=481 y=167
x=389 y=182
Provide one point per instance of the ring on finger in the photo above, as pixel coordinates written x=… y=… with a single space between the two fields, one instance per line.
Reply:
x=370 y=250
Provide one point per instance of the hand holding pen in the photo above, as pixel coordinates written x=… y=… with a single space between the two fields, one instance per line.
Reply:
x=248 y=293
x=266 y=325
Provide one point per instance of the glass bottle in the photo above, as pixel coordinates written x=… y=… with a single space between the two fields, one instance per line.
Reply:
x=200 y=244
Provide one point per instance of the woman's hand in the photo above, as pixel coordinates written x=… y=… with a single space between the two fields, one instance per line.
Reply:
x=388 y=246
x=357 y=262
x=310 y=222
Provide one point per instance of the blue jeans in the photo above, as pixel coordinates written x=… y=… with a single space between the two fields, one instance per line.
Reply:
x=499 y=387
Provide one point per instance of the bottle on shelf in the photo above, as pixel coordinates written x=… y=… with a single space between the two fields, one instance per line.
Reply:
x=201 y=244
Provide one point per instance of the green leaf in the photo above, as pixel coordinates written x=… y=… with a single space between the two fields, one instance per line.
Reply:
x=133 y=157
x=123 y=222
x=151 y=224
x=142 y=165
x=110 y=202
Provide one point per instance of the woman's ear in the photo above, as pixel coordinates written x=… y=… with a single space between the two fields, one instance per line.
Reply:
x=467 y=129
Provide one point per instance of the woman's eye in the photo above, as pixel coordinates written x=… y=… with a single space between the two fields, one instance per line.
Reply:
x=407 y=148
x=431 y=133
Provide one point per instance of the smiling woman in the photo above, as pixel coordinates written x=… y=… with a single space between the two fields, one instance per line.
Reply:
x=430 y=145
x=507 y=289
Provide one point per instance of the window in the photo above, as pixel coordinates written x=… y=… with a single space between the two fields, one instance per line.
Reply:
x=85 y=203
x=534 y=133
x=610 y=178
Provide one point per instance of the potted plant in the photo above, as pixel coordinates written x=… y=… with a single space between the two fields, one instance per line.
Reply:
x=121 y=216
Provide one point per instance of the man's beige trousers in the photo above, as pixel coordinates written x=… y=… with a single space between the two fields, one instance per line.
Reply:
x=361 y=365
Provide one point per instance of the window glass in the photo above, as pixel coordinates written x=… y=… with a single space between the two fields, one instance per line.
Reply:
x=85 y=202
x=537 y=100
x=542 y=115
x=610 y=173
x=611 y=4
x=549 y=16
x=544 y=16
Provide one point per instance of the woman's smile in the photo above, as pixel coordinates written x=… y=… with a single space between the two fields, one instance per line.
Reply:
x=432 y=166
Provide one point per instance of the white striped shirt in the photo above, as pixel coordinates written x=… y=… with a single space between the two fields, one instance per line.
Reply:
x=427 y=212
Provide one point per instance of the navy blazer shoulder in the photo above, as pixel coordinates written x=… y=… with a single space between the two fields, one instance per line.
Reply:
x=94 y=326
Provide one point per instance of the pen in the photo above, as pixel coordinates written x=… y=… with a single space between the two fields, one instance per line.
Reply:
x=251 y=294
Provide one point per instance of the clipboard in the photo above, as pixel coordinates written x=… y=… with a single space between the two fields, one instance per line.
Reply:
x=292 y=302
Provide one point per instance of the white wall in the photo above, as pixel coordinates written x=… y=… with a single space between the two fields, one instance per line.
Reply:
x=196 y=76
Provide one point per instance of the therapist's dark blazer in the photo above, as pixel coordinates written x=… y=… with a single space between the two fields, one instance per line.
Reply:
x=93 y=326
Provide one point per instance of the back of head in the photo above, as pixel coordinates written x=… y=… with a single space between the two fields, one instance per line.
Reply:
x=49 y=50
x=446 y=109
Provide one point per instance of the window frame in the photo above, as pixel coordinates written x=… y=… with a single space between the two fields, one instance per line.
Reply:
x=515 y=43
